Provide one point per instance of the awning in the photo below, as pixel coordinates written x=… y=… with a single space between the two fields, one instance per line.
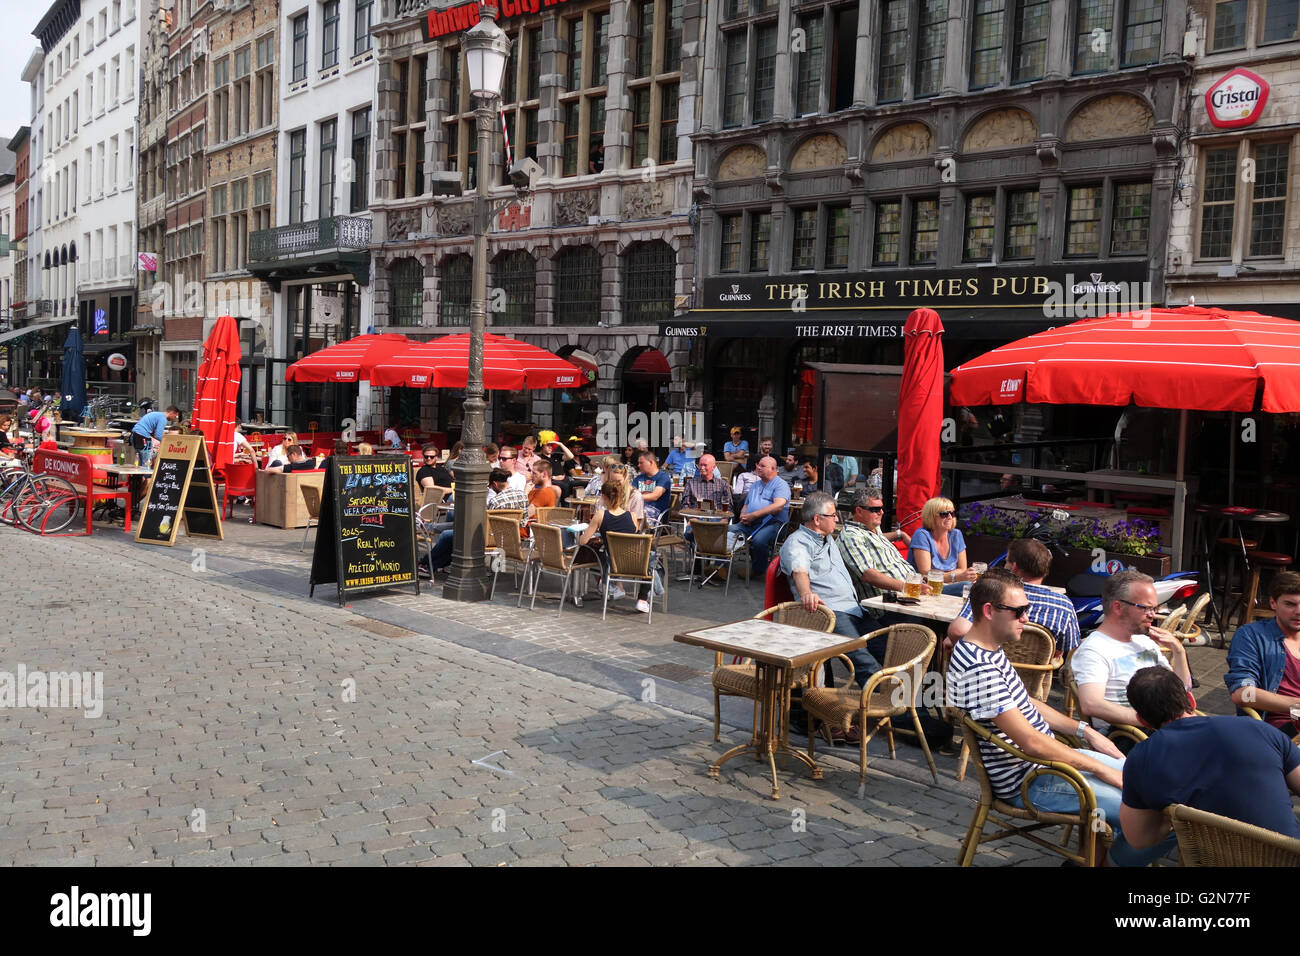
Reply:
x=649 y=366
x=842 y=324
x=97 y=347
x=143 y=330
x=35 y=328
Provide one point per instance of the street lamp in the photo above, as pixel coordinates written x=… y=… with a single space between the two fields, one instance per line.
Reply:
x=486 y=49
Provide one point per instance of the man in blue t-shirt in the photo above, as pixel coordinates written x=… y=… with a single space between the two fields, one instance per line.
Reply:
x=767 y=508
x=148 y=432
x=655 y=485
x=1237 y=767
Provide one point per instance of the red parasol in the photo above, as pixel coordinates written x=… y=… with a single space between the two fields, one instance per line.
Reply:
x=349 y=361
x=1186 y=358
x=920 y=415
x=216 y=396
x=507 y=364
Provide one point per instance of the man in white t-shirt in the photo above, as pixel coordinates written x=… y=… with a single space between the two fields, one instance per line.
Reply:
x=1125 y=643
x=393 y=439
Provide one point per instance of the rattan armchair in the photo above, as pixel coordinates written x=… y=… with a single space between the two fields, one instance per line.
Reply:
x=667 y=540
x=629 y=562
x=739 y=679
x=504 y=533
x=1207 y=839
x=1026 y=821
x=711 y=548
x=1174 y=619
x=890 y=692
x=1190 y=628
x=557 y=516
x=551 y=558
x=310 y=498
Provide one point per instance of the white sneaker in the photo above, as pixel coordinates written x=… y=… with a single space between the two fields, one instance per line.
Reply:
x=616 y=593
x=643 y=607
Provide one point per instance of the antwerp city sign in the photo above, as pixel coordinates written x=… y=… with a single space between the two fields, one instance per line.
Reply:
x=460 y=17
x=1237 y=99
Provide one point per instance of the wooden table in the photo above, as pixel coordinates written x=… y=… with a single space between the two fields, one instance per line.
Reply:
x=944 y=608
x=776 y=649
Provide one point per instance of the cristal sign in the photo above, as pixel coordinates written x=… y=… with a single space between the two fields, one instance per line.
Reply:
x=1237 y=99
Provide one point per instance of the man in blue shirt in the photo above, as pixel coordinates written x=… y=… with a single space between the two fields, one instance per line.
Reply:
x=1237 y=767
x=677 y=457
x=1264 y=657
x=767 y=507
x=148 y=432
x=655 y=485
x=737 y=449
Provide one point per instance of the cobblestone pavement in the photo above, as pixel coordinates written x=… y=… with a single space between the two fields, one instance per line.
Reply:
x=244 y=723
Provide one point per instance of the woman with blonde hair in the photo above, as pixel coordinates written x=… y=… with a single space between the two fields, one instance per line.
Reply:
x=614 y=516
x=280 y=451
x=938 y=545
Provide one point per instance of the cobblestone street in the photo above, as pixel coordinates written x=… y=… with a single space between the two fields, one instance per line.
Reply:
x=477 y=734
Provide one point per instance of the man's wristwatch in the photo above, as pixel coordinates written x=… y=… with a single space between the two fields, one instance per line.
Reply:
x=1083 y=725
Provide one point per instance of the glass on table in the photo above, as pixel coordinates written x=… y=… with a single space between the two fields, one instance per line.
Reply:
x=913 y=585
x=936 y=582
x=979 y=567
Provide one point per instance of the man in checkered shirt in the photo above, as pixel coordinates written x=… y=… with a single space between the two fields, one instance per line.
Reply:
x=1030 y=561
x=707 y=485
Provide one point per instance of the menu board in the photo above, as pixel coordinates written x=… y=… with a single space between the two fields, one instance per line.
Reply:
x=180 y=489
x=366 y=537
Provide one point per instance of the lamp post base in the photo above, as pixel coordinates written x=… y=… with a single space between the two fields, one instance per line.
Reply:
x=468 y=579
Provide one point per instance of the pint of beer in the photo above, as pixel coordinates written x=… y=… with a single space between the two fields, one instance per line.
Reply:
x=936 y=582
x=912 y=586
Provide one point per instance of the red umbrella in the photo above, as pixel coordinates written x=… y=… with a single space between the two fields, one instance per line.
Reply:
x=1185 y=358
x=216 y=395
x=507 y=364
x=349 y=361
x=920 y=415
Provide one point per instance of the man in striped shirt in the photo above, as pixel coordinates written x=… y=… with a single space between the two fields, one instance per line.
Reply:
x=1030 y=561
x=982 y=682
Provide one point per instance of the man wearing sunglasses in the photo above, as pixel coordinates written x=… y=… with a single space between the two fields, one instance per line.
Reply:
x=1126 y=642
x=432 y=472
x=982 y=682
x=868 y=552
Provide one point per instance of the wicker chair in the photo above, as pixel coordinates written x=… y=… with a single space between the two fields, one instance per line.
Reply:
x=668 y=540
x=1006 y=815
x=556 y=516
x=1190 y=629
x=1034 y=659
x=629 y=562
x=727 y=469
x=553 y=559
x=311 y=499
x=1207 y=839
x=503 y=532
x=738 y=679
x=907 y=654
x=1117 y=731
x=711 y=547
x=1174 y=619
x=435 y=496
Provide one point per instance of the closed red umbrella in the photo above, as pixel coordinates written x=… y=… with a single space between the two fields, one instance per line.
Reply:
x=920 y=415
x=216 y=394
x=1187 y=358
x=507 y=364
x=349 y=361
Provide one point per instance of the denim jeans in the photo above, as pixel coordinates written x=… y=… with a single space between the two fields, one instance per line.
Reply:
x=760 y=541
x=854 y=623
x=1052 y=793
x=442 y=550
x=145 y=455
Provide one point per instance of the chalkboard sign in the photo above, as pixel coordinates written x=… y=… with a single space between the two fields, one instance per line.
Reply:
x=180 y=489
x=366 y=537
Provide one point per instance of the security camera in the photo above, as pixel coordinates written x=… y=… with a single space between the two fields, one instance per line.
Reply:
x=445 y=182
x=525 y=174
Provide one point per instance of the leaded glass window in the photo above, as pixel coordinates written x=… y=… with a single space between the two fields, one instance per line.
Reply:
x=649 y=281
x=454 y=286
x=408 y=292
x=576 y=296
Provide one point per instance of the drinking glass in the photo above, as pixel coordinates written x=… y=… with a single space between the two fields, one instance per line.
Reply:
x=912 y=586
x=979 y=567
x=936 y=583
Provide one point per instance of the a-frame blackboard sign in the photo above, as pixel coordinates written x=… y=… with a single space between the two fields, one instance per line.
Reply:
x=366 y=537
x=180 y=489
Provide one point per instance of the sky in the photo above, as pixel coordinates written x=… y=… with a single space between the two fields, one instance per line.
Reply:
x=16 y=45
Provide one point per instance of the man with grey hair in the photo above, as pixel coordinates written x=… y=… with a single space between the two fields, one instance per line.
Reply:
x=1125 y=643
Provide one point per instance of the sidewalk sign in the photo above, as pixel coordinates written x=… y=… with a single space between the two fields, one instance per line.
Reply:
x=181 y=488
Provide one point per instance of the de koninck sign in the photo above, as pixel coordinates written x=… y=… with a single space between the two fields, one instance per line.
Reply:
x=973 y=302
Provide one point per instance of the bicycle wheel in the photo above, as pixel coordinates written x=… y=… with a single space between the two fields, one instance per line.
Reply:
x=31 y=501
x=55 y=515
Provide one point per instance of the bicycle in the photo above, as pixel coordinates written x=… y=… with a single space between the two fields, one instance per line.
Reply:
x=44 y=504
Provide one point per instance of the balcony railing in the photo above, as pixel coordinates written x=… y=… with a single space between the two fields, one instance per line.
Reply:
x=309 y=238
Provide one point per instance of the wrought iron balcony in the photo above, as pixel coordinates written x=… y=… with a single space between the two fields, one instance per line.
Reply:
x=335 y=234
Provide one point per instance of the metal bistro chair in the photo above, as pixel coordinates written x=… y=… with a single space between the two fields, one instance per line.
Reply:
x=310 y=498
x=739 y=678
x=890 y=692
x=667 y=539
x=711 y=547
x=1207 y=839
x=427 y=528
x=629 y=562
x=553 y=559
x=504 y=533
x=559 y=517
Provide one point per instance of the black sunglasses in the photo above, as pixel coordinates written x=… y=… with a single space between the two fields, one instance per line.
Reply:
x=946 y=514
x=875 y=510
x=1020 y=611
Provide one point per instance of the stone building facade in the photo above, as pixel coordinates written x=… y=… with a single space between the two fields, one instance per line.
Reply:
x=151 y=201
x=604 y=97
x=862 y=159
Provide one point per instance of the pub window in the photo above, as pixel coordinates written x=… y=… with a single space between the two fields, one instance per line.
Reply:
x=328 y=154
x=760 y=241
x=980 y=219
x=515 y=273
x=408 y=292
x=329 y=38
x=1010 y=32
x=359 y=198
x=732 y=230
x=913 y=39
x=649 y=281
x=889 y=231
x=1121 y=211
x=454 y=281
x=583 y=103
x=409 y=125
x=654 y=88
x=1137 y=24
x=1022 y=224
x=298 y=29
x=925 y=232
x=837 y=237
x=1229 y=31
x=749 y=66
x=576 y=299
x=297 y=175
x=821 y=238
x=1244 y=220
x=1280 y=20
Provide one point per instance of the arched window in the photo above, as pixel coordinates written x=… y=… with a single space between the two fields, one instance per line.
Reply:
x=408 y=292
x=454 y=289
x=63 y=256
x=577 y=287
x=72 y=252
x=649 y=276
x=515 y=274
x=47 y=258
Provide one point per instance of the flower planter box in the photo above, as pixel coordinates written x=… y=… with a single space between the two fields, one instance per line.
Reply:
x=1078 y=561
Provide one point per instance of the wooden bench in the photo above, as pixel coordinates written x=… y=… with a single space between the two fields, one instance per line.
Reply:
x=78 y=470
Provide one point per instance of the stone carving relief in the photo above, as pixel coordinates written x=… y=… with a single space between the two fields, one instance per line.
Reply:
x=401 y=222
x=904 y=141
x=1001 y=129
x=575 y=206
x=646 y=200
x=743 y=162
x=819 y=152
x=1109 y=117
x=455 y=219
